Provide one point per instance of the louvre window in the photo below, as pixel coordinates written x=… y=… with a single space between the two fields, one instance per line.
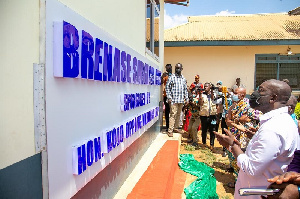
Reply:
x=278 y=67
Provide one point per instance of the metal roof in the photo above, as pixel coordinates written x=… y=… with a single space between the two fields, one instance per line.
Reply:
x=236 y=28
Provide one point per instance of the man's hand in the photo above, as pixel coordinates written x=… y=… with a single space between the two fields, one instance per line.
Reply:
x=244 y=119
x=287 y=183
x=291 y=177
x=225 y=140
x=250 y=132
x=287 y=191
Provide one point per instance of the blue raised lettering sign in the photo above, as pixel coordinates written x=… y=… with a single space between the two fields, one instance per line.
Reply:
x=87 y=53
x=97 y=146
x=81 y=159
x=90 y=153
x=98 y=60
x=70 y=54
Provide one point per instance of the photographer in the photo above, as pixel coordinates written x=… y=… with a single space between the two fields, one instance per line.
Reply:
x=194 y=107
x=223 y=102
x=196 y=84
x=208 y=113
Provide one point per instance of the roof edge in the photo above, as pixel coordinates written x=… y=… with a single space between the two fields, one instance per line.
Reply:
x=232 y=43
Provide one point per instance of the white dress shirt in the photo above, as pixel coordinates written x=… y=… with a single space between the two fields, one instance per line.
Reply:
x=269 y=152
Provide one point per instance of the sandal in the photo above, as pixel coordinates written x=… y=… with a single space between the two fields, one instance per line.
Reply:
x=190 y=141
x=170 y=134
x=231 y=184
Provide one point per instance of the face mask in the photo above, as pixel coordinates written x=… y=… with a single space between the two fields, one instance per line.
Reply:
x=220 y=93
x=169 y=70
x=178 y=70
x=194 y=95
x=235 y=98
x=254 y=98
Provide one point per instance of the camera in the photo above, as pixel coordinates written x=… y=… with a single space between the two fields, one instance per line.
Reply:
x=199 y=89
x=213 y=87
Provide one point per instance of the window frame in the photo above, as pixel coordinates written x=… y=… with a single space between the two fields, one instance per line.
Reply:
x=277 y=61
x=153 y=7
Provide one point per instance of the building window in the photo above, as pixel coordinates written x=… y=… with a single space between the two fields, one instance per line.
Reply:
x=270 y=66
x=152 y=28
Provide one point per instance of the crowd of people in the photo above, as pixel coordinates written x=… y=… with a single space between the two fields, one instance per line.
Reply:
x=260 y=134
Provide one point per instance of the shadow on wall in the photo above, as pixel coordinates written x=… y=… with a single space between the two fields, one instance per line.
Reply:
x=107 y=183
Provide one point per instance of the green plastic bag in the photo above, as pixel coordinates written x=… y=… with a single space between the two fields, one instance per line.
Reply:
x=205 y=185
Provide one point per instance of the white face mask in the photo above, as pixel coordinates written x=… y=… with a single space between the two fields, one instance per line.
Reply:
x=235 y=98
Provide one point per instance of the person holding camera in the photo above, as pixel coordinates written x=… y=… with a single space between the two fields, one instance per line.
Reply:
x=196 y=84
x=194 y=107
x=220 y=95
x=223 y=102
x=208 y=111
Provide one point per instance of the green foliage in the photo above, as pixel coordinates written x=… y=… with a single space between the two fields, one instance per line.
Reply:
x=207 y=156
x=297 y=111
x=189 y=147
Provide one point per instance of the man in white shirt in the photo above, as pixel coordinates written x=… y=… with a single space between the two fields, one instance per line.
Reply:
x=272 y=147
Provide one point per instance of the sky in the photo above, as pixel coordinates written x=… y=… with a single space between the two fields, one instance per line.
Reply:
x=176 y=14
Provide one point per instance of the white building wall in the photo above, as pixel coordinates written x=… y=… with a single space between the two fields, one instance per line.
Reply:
x=124 y=20
x=19 y=22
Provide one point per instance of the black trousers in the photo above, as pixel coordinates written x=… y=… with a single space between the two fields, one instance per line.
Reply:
x=219 y=118
x=223 y=125
x=167 y=112
x=206 y=124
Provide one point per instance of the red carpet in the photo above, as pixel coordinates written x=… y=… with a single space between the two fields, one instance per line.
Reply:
x=163 y=178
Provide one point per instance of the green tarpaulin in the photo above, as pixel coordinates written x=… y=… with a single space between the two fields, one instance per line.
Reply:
x=205 y=184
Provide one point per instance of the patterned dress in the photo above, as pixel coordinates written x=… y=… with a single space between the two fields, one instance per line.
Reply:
x=240 y=109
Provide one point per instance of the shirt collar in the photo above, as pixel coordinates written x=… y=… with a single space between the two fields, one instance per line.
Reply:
x=265 y=117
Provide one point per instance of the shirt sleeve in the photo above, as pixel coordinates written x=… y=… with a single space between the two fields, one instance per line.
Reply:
x=168 y=88
x=263 y=151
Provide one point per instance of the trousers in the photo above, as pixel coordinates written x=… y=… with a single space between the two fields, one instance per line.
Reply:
x=207 y=123
x=175 y=116
x=193 y=128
